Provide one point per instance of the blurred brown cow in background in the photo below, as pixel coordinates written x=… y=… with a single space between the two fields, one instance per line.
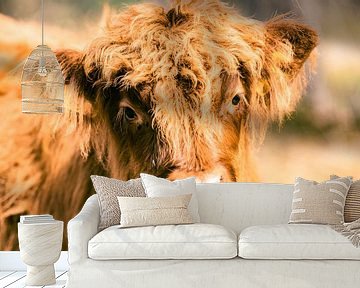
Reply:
x=176 y=92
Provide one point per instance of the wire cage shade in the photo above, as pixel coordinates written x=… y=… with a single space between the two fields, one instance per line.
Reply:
x=42 y=83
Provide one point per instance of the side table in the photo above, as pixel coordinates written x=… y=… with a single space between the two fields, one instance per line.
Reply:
x=40 y=247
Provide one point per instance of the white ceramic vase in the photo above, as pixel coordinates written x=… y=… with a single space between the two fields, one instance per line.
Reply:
x=40 y=247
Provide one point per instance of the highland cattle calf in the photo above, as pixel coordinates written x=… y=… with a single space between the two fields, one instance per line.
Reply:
x=172 y=92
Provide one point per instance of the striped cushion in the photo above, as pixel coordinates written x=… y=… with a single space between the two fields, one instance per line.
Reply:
x=352 y=203
x=319 y=203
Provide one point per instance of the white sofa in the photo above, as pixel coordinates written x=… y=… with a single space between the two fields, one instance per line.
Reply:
x=250 y=222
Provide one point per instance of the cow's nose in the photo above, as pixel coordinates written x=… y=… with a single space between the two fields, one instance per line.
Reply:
x=200 y=177
x=211 y=178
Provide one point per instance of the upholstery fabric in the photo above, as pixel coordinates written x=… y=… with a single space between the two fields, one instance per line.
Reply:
x=107 y=190
x=82 y=228
x=159 y=187
x=301 y=241
x=228 y=273
x=144 y=211
x=320 y=203
x=193 y=241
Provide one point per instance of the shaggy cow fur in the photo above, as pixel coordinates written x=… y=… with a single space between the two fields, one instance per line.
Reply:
x=171 y=92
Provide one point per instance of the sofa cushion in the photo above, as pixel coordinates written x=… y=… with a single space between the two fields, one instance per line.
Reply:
x=159 y=187
x=319 y=203
x=145 y=211
x=192 y=241
x=107 y=190
x=299 y=241
x=352 y=203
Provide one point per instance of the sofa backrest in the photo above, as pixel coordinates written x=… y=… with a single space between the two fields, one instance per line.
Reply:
x=239 y=205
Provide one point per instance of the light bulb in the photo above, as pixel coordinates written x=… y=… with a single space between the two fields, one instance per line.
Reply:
x=42 y=70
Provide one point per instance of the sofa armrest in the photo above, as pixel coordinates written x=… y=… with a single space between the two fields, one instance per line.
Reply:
x=82 y=228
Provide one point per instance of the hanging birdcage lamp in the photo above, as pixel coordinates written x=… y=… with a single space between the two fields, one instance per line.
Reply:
x=42 y=82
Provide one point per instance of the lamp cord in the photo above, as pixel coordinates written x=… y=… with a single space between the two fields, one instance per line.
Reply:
x=42 y=22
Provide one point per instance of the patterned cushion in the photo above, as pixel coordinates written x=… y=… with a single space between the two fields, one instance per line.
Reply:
x=352 y=203
x=139 y=211
x=319 y=203
x=108 y=189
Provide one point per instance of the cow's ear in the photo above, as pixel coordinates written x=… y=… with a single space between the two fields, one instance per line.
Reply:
x=71 y=63
x=281 y=33
x=72 y=66
x=287 y=46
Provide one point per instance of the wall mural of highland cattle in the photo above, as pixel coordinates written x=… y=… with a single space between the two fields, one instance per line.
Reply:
x=222 y=91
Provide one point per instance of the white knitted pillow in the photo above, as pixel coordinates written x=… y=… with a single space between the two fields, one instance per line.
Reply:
x=159 y=187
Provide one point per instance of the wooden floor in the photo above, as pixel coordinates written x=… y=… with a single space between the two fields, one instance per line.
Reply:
x=16 y=279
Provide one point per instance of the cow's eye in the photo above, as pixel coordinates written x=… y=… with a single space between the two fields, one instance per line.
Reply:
x=235 y=100
x=130 y=114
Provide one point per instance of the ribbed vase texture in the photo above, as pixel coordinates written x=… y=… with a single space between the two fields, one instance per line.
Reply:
x=40 y=247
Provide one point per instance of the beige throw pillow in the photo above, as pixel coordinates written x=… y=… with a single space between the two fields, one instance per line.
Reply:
x=320 y=203
x=352 y=203
x=138 y=211
x=107 y=190
x=159 y=187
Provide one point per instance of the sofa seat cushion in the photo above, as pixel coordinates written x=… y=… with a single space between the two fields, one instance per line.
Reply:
x=191 y=241
x=295 y=241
